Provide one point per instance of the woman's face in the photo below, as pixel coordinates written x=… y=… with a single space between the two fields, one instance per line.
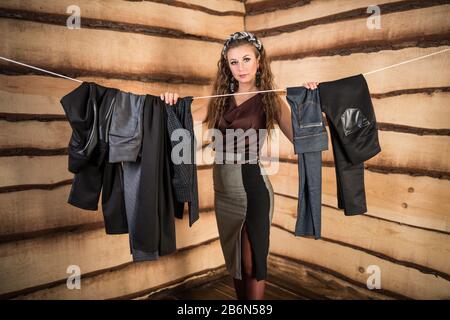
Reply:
x=243 y=63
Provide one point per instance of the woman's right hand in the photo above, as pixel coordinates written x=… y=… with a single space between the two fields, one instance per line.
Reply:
x=311 y=85
x=169 y=97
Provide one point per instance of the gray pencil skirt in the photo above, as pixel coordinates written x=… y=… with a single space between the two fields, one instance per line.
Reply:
x=243 y=194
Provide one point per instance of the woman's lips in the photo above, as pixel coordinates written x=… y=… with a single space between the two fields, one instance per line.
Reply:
x=243 y=75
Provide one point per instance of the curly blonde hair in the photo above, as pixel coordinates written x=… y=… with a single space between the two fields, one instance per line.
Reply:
x=270 y=100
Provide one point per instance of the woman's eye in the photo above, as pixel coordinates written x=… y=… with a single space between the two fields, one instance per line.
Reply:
x=247 y=59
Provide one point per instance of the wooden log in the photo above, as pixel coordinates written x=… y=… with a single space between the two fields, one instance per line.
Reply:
x=29 y=213
x=226 y=7
x=26 y=170
x=141 y=16
x=35 y=134
x=18 y=97
x=409 y=76
x=30 y=133
x=421 y=110
x=390 y=240
x=300 y=13
x=33 y=212
x=216 y=5
x=353 y=264
x=146 y=56
x=322 y=12
x=431 y=155
x=430 y=28
x=315 y=282
x=134 y=279
x=416 y=201
x=42 y=261
x=29 y=94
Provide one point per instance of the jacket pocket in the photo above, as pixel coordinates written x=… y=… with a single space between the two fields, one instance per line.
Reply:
x=310 y=114
x=310 y=128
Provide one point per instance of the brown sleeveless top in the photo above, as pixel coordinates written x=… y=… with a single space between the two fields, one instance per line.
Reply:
x=241 y=124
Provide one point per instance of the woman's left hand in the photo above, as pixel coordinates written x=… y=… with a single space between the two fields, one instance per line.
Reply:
x=311 y=85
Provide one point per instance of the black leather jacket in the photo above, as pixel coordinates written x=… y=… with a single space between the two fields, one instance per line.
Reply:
x=89 y=110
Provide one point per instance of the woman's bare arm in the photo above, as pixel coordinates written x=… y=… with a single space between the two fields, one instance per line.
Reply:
x=285 y=122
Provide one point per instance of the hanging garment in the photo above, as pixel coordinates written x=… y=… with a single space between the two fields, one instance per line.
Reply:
x=155 y=187
x=354 y=136
x=113 y=202
x=125 y=142
x=184 y=173
x=125 y=133
x=138 y=183
x=310 y=139
x=148 y=189
x=89 y=110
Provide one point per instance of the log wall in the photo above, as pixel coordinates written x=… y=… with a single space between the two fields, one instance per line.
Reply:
x=406 y=229
x=125 y=44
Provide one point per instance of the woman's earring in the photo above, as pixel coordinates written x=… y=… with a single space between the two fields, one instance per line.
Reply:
x=258 y=78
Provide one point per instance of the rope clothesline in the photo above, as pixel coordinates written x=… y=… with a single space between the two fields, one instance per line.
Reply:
x=43 y=70
x=234 y=94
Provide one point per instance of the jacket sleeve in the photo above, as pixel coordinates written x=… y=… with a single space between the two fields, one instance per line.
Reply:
x=80 y=106
x=81 y=111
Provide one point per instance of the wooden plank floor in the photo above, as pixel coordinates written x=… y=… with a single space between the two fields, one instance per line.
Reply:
x=286 y=280
x=223 y=289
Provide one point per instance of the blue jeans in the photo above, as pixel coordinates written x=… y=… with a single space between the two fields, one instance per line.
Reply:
x=310 y=139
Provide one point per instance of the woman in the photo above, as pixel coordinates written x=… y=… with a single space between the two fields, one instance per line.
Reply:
x=243 y=195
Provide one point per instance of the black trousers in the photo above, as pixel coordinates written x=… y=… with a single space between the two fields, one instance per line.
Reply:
x=354 y=137
x=150 y=222
x=152 y=229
